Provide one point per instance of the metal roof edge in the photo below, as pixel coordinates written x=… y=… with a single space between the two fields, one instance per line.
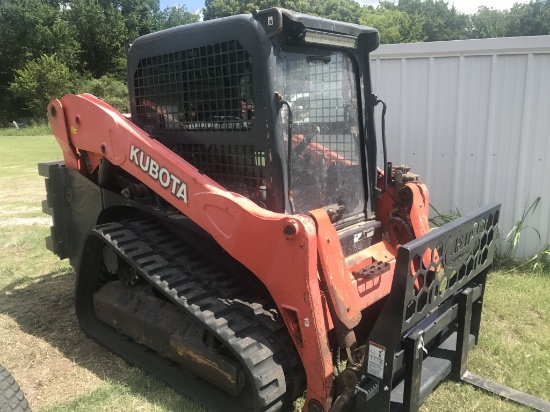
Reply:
x=471 y=47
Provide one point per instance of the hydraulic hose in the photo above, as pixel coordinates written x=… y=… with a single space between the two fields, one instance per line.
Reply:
x=289 y=156
x=384 y=147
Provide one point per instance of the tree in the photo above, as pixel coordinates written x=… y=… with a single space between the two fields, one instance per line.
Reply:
x=341 y=10
x=214 y=9
x=395 y=26
x=529 y=19
x=176 y=16
x=222 y=8
x=439 y=21
x=102 y=36
x=29 y=29
x=40 y=81
x=488 y=22
x=140 y=16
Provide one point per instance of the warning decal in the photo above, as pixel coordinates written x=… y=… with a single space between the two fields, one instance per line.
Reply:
x=377 y=359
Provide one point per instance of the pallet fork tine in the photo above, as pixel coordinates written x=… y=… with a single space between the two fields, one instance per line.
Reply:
x=460 y=365
x=506 y=392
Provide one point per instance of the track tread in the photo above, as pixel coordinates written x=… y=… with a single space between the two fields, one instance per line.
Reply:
x=217 y=300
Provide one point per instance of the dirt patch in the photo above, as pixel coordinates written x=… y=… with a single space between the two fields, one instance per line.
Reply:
x=46 y=376
x=44 y=347
x=41 y=342
x=38 y=329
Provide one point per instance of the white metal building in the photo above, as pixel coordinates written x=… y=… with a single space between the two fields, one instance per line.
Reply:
x=472 y=117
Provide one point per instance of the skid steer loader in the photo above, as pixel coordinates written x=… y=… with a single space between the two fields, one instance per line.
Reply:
x=234 y=236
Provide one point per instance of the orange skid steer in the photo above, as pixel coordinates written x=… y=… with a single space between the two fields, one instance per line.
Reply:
x=239 y=241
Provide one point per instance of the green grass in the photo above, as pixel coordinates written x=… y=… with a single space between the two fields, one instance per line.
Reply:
x=139 y=392
x=40 y=129
x=514 y=347
x=61 y=370
x=507 y=245
x=42 y=344
x=22 y=153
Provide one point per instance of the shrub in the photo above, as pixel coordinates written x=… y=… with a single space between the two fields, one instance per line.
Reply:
x=40 y=81
x=108 y=89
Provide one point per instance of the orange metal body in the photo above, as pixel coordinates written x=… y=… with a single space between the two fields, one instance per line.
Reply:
x=285 y=263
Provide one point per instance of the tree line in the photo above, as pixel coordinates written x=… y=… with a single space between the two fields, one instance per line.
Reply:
x=53 y=47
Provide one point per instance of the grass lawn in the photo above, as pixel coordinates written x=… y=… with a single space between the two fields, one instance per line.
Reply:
x=61 y=370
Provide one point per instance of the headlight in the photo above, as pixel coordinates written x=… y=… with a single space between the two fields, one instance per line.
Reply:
x=330 y=39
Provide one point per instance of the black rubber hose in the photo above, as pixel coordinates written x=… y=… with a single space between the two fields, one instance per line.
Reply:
x=289 y=155
x=384 y=147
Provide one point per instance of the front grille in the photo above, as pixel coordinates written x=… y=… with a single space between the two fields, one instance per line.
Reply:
x=238 y=168
x=206 y=88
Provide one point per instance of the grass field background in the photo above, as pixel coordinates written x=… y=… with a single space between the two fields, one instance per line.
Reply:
x=61 y=370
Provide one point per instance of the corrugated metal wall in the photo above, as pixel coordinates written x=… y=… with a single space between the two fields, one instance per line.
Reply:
x=472 y=117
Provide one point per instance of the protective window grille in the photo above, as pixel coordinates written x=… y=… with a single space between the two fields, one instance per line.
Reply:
x=238 y=168
x=205 y=88
x=322 y=94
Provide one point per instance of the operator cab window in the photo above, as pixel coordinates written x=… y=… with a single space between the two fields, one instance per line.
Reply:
x=321 y=88
x=206 y=88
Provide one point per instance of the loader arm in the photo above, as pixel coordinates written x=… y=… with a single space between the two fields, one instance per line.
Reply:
x=279 y=249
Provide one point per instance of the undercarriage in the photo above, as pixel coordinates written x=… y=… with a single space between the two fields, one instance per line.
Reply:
x=159 y=304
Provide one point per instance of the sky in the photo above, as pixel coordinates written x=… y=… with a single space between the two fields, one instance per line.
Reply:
x=464 y=6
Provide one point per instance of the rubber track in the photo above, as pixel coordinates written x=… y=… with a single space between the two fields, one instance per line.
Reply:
x=216 y=300
x=12 y=398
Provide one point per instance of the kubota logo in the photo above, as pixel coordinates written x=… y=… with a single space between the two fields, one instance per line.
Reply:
x=161 y=174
